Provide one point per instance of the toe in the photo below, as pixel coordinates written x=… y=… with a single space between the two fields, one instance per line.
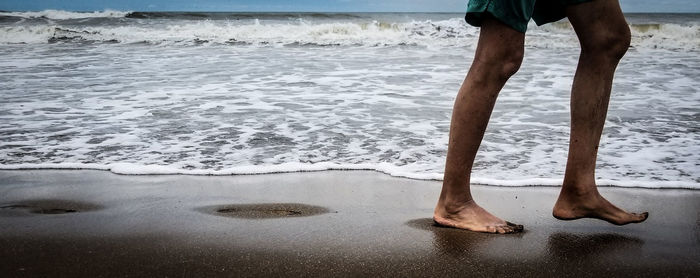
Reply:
x=642 y=216
x=501 y=230
x=629 y=218
x=515 y=227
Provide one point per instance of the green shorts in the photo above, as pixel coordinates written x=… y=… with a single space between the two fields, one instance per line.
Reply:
x=517 y=13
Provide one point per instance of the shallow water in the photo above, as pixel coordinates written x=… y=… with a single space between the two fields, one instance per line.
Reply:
x=272 y=93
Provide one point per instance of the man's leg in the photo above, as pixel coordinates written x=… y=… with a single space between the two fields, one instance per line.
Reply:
x=498 y=56
x=604 y=37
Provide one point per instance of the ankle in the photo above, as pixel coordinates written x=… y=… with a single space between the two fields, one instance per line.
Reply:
x=579 y=187
x=456 y=206
x=579 y=191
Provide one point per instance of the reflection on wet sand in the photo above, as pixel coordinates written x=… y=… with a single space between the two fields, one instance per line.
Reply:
x=611 y=254
x=461 y=243
x=568 y=246
x=560 y=248
x=697 y=228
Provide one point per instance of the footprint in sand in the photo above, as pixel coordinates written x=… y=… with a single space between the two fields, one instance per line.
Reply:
x=262 y=211
x=46 y=206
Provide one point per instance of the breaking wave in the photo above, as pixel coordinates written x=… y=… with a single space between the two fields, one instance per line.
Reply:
x=63 y=15
x=373 y=33
x=280 y=29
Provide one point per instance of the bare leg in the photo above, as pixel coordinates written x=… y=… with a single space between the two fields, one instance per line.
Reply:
x=604 y=36
x=498 y=56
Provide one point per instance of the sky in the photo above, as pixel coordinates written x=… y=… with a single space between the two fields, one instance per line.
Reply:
x=457 y=6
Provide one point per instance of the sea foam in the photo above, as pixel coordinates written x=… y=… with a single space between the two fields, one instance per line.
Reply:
x=176 y=28
x=172 y=94
x=386 y=168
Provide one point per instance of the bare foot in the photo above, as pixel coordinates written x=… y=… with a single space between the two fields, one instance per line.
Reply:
x=571 y=206
x=470 y=216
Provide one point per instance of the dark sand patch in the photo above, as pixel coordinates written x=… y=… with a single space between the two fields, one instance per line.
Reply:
x=267 y=210
x=591 y=245
x=428 y=224
x=460 y=243
x=45 y=206
x=384 y=229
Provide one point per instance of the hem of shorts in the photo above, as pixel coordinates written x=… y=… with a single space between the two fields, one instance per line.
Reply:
x=541 y=22
x=474 y=18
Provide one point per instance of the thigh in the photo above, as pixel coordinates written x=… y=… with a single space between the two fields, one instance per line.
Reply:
x=498 y=40
x=547 y=11
x=597 y=20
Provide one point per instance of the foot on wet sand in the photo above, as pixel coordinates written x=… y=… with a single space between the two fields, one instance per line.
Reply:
x=571 y=206
x=470 y=216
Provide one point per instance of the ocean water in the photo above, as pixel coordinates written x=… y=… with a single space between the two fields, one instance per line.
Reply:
x=253 y=93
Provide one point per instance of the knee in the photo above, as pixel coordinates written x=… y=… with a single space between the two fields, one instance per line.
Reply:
x=610 y=43
x=500 y=63
x=511 y=63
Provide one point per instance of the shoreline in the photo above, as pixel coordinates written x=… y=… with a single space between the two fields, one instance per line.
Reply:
x=341 y=223
x=129 y=169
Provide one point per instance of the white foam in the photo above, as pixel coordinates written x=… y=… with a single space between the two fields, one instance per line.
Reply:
x=666 y=36
x=26 y=34
x=136 y=169
x=644 y=36
x=427 y=33
x=220 y=109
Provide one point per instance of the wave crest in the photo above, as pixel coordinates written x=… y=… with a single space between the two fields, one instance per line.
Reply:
x=63 y=15
x=288 y=29
x=644 y=36
x=373 y=33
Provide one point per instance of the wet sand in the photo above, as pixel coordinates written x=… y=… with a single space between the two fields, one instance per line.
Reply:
x=84 y=223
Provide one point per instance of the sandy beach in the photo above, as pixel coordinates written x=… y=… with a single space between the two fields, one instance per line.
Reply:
x=200 y=141
x=86 y=223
